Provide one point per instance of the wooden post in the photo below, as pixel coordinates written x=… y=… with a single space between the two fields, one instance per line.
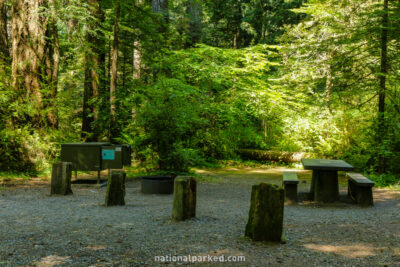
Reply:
x=61 y=178
x=184 y=206
x=266 y=213
x=115 y=194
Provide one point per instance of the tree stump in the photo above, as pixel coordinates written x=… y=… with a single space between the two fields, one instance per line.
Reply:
x=184 y=206
x=266 y=213
x=61 y=178
x=115 y=194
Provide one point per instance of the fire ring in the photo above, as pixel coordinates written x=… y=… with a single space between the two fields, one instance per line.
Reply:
x=157 y=184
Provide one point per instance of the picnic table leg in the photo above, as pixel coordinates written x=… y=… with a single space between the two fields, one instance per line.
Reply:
x=325 y=186
x=315 y=174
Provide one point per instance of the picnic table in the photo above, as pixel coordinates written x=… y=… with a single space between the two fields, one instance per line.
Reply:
x=325 y=183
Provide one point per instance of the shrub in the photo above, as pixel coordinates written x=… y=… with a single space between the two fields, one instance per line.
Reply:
x=26 y=151
x=169 y=117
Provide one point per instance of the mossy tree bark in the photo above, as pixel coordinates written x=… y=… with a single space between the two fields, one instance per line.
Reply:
x=184 y=206
x=266 y=213
x=61 y=178
x=35 y=60
x=4 y=49
x=114 y=74
x=115 y=194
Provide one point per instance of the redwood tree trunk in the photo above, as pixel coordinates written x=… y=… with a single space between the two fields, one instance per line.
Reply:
x=137 y=60
x=137 y=50
x=161 y=6
x=93 y=61
x=193 y=11
x=382 y=85
x=29 y=26
x=4 y=49
x=114 y=72
x=52 y=60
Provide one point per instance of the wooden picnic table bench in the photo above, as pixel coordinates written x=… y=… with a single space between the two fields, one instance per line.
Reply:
x=360 y=189
x=290 y=181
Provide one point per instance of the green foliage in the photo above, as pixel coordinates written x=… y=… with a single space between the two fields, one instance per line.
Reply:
x=240 y=94
x=25 y=150
x=385 y=180
x=22 y=149
x=193 y=103
x=331 y=77
x=13 y=175
x=249 y=22
x=169 y=118
x=207 y=103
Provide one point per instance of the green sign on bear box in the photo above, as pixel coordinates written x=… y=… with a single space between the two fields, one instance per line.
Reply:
x=108 y=154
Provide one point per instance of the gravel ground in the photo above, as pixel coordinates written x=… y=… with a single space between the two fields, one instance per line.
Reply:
x=37 y=229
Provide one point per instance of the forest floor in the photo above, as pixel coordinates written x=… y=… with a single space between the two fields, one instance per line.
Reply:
x=37 y=229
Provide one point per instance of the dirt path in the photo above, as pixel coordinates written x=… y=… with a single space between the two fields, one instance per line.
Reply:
x=77 y=230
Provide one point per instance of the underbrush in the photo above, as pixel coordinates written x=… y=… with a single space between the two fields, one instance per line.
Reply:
x=386 y=180
x=137 y=170
x=252 y=164
x=14 y=175
x=26 y=152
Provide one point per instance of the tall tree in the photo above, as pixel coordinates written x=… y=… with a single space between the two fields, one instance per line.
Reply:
x=137 y=50
x=114 y=71
x=268 y=17
x=226 y=18
x=93 y=74
x=28 y=39
x=52 y=63
x=193 y=11
x=4 y=49
x=161 y=6
x=136 y=60
x=382 y=83
x=33 y=61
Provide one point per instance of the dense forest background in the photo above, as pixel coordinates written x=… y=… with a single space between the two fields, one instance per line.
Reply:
x=187 y=82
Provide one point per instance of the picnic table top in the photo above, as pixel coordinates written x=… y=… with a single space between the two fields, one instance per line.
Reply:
x=326 y=164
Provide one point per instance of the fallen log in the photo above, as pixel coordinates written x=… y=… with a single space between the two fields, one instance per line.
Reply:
x=272 y=155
